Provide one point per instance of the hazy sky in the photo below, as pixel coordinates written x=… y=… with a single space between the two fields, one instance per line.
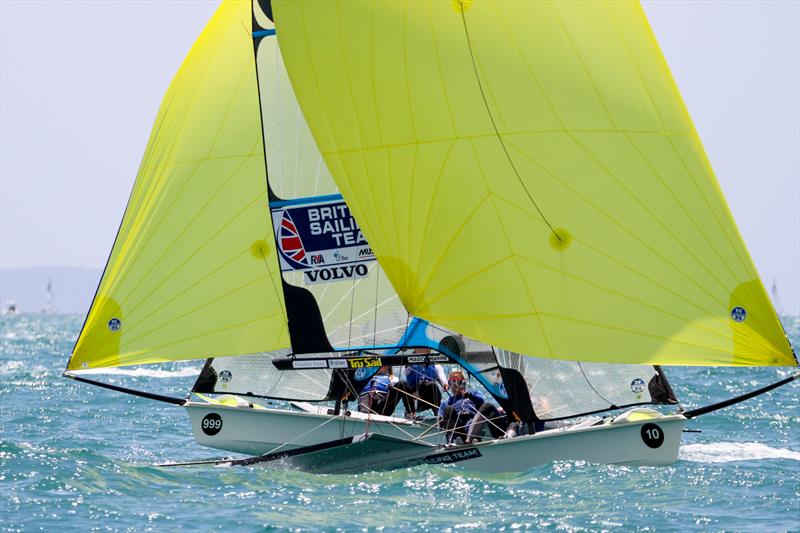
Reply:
x=81 y=82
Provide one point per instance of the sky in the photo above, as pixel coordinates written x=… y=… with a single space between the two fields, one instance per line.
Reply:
x=78 y=100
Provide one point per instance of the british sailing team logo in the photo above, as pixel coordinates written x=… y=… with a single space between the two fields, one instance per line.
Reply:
x=290 y=242
x=322 y=240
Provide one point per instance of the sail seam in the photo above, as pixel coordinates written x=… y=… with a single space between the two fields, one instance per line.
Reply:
x=361 y=208
x=664 y=226
x=513 y=254
x=614 y=221
x=669 y=137
x=194 y=310
x=210 y=150
x=497 y=131
x=510 y=133
x=168 y=248
x=586 y=70
x=685 y=211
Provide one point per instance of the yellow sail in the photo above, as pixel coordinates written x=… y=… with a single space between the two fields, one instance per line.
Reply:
x=193 y=272
x=528 y=175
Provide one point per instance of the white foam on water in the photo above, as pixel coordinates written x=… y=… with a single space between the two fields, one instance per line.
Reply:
x=16 y=367
x=143 y=372
x=726 y=452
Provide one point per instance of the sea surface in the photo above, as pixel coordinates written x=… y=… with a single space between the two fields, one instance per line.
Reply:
x=74 y=457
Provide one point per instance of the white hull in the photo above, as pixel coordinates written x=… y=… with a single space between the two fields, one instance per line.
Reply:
x=257 y=431
x=621 y=443
x=624 y=440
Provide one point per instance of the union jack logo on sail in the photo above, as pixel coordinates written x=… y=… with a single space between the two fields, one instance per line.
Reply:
x=291 y=244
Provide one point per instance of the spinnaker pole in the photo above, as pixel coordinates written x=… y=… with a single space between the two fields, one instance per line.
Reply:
x=694 y=413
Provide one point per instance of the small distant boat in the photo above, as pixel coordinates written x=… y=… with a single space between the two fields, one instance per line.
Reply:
x=10 y=307
x=513 y=188
x=49 y=308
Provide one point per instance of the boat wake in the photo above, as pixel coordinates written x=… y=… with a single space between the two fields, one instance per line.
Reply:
x=726 y=452
x=144 y=372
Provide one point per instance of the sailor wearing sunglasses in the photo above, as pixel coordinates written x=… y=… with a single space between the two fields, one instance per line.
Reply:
x=457 y=411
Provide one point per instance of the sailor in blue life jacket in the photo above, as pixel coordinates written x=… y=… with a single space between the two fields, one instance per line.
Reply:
x=379 y=395
x=492 y=416
x=457 y=411
x=420 y=390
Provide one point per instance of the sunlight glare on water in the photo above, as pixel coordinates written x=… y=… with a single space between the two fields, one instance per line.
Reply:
x=78 y=458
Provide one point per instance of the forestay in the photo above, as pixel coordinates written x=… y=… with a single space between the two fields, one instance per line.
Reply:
x=528 y=175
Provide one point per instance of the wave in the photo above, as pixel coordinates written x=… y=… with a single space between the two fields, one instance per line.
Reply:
x=726 y=452
x=9 y=368
x=144 y=372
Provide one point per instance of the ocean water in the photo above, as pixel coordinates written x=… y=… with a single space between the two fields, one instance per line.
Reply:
x=78 y=458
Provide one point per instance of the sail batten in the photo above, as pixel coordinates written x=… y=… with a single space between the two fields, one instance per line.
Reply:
x=445 y=141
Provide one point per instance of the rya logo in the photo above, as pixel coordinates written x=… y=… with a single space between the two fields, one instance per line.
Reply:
x=738 y=314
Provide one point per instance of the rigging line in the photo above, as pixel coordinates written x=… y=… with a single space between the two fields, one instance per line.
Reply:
x=300 y=436
x=370 y=411
x=425 y=433
x=591 y=386
x=375 y=319
x=497 y=131
x=272 y=280
x=389 y=422
x=489 y=420
x=350 y=325
x=415 y=397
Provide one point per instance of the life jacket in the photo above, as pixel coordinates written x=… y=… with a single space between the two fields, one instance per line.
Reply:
x=379 y=383
x=468 y=404
x=420 y=374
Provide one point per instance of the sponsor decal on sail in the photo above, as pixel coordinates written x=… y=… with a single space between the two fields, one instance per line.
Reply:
x=323 y=240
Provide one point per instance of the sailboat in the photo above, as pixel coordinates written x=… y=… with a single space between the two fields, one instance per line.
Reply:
x=513 y=188
x=49 y=308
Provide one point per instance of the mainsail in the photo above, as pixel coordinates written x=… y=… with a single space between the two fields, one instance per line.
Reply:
x=528 y=175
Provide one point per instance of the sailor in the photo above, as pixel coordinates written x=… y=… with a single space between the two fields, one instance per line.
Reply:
x=492 y=416
x=379 y=396
x=457 y=411
x=420 y=390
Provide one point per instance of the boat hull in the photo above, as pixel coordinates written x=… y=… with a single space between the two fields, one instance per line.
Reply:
x=624 y=443
x=258 y=431
x=653 y=440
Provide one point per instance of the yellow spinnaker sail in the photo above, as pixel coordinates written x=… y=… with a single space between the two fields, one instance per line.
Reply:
x=528 y=175
x=193 y=272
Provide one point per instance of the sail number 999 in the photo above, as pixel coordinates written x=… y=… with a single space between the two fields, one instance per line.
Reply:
x=652 y=435
x=211 y=424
